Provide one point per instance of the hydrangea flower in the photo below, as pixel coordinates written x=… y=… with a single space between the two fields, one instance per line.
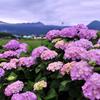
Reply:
x=84 y=43
x=98 y=42
x=93 y=55
x=52 y=34
x=67 y=68
x=12 y=45
x=74 y=52
x=13 y=88
x=81 y=71
x=40 y=85
x=68 y=32
x=17 y=96
x=91 y=88
x=26 y=61
x=2 y=72
x=37 y=51
x=60 y=44
x=55 y=66
x=24 y=96
x=87 y=34
x=48 y=54
x=80 y=26
x=9 y=65
x=10 y=54
x=23 y=47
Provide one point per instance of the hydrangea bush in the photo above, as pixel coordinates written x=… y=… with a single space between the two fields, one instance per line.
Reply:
x=68 y=68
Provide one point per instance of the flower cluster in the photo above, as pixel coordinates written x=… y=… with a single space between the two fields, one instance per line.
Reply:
x=91 y=88
x=38 y=51
x=48 y=54
x=55 y=66
x=60 y=44
x=24 y=96
x=80 y=31
x=2 y=72
x=40 y=85
x=12 y=45
x=83 y=43
x=92 y=55
x=67 y=68
x=52 y=34
x=74 y=53
x=26 y=61
x=81 y=71
x=13 y=88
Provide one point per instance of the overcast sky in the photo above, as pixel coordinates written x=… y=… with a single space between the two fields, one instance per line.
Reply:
x=50 y=11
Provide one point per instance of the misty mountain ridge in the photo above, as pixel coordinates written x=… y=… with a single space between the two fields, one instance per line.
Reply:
x=37 y=28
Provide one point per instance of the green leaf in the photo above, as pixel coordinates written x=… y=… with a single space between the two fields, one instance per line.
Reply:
x=64 y=86
x=12 y=76
x=51 y=94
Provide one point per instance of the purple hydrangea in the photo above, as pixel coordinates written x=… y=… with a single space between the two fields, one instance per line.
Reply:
x=17 y=97
x=60 y=44
x=98 y=42
x=81 y=71
x=48 y=54
x=52 y=34
x=74 y=52
x=2 y=72
x=23 y=47
x=68 y=32
x=80 y=26
x=26 y=61
x=12 y=45
x=93 y=55
x=91 y=88
x=37 y=51
x=87 y=34
x=24 y=96
x=84 y=43
x=13 y=88
x=10 y=54
x=55 y=66
x=10 y=65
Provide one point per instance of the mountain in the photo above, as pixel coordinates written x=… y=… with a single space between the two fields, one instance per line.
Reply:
x=94 y=25
x=1 y=22
x=27 y=28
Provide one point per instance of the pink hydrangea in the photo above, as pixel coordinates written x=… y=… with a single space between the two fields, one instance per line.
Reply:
x=12 y=45
x=37 y=51
x=91 y=88
x=26 y=61
x=23 y=47
x=13 y=88
x=67 y=68
x=74 y=53
x=81 y=71
x=70 y=32
x=52 y=34
x=60 y=44
x=55 y=66
x=10 y=54
x=87 y=34
x=84 y=43
x=93 y=55
x=48 y=54
x=24 y=96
